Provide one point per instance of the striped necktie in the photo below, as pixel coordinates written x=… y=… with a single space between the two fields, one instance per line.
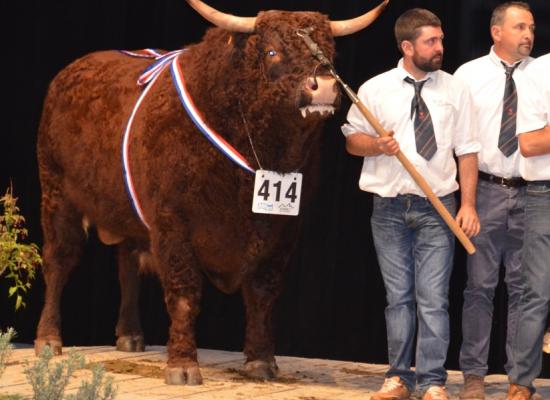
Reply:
x=426 y=145
x=507 y=140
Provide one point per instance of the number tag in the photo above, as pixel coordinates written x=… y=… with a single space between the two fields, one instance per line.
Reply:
x=276 y=193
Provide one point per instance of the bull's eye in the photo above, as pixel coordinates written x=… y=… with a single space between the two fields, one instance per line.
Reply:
x=271 y=53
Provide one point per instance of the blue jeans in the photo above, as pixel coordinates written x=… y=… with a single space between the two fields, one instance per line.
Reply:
x=501 y=215
x=415 y=253
x=533 y=307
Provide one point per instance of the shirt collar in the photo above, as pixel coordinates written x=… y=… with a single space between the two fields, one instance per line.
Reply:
x=403 y=73
x=495 y=59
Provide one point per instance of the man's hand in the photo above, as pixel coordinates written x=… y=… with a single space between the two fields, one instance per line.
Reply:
x=388 y=145
x=468 y=220
x=363 y=145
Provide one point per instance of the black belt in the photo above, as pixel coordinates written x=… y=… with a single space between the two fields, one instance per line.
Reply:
x=508 y=182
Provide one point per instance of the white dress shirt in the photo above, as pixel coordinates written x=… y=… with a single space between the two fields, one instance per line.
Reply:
x=536 y=116
x=486 y=79
x=389 y=98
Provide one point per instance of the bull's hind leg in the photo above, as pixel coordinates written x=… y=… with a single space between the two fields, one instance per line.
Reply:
x=128 y=330
x=182 y=284
x=63 y=242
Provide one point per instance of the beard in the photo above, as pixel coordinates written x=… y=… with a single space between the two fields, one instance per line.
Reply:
x=428 y=64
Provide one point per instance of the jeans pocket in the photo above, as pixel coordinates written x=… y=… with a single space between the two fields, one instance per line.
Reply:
x=380 y=203
x=534 y=190
x=449 y=201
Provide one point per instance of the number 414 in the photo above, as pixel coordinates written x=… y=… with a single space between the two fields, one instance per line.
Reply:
x=290 y=193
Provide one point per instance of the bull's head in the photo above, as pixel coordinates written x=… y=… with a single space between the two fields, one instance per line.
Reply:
x=298 y=80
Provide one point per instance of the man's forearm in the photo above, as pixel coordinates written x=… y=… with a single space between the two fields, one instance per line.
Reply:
x=467 y=173
x=535 y=143
x=362 y=145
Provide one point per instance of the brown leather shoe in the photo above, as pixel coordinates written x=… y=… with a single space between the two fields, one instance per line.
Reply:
x=435 y=393
x=473 y=389
x=546 y=341
x=518 y=392
x=393 y=389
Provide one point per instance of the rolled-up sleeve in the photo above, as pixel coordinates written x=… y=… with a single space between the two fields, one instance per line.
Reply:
x=465 y=133
x=533 y=115
x=356 y=121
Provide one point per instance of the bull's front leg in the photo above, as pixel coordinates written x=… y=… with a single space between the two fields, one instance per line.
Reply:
x=182 y=284
x=260 y=291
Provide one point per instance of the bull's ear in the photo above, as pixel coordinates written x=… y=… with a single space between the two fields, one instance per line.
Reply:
x=238 y=40
x=239 y=44
x=237 y=47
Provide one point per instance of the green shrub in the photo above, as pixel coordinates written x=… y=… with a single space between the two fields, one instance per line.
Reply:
x=49 y=382
x=5 y=348
x=18 y=261
x=100 y=388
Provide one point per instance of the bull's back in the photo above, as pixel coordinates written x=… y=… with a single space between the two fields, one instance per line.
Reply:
x=80 y=137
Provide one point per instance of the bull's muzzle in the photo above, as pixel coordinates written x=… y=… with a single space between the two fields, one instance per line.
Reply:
x=320 y=94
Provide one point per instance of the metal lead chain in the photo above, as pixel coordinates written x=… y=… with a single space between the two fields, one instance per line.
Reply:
x=318 y=54
x=249 y=136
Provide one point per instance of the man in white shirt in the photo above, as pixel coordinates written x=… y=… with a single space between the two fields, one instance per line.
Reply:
x=535 y=168
x=430 y=114
x=492 y=80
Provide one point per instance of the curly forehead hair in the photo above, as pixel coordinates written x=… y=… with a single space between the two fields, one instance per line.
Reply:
x=407 y=26
x=497 y=18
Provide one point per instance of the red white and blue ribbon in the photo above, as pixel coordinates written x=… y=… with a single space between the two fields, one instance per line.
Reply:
x=148 y=79
x=160 y=64
x=145 y=53
x=197 y=118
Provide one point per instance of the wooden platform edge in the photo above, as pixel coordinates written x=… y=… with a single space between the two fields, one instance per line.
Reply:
x=139 y=376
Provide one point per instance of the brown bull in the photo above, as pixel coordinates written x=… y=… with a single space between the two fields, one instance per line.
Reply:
x=257 y=84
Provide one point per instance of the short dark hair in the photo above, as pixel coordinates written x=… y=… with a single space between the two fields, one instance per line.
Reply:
x=497 y=18
x=407 y=26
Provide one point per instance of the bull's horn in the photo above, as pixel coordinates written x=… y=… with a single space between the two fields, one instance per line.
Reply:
x=349 y=26
x=225 y=21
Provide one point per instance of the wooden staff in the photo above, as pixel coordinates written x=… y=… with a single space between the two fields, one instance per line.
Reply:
x=419 y=179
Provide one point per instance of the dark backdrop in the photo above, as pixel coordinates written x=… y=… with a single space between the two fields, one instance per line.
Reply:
x=333 y=302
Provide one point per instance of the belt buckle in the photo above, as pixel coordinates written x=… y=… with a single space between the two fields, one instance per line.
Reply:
x=499 y=180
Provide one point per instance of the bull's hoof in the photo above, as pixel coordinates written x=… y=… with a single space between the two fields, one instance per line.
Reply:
x=130 y=344
x=259 y=369
x=183 y=376
x=54 y=342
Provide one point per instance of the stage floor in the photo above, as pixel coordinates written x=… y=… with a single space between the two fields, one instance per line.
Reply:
x=139 y=376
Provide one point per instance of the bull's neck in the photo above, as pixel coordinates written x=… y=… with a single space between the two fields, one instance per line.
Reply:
x=280 y=145
x=280 y=142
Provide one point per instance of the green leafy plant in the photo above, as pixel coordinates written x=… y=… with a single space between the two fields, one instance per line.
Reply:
x=18 y=261
x=5 y=348
x=99 y=388
x=5 y=352
x=49 y=382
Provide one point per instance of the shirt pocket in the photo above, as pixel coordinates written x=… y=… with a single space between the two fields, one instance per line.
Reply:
x=443 y=118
